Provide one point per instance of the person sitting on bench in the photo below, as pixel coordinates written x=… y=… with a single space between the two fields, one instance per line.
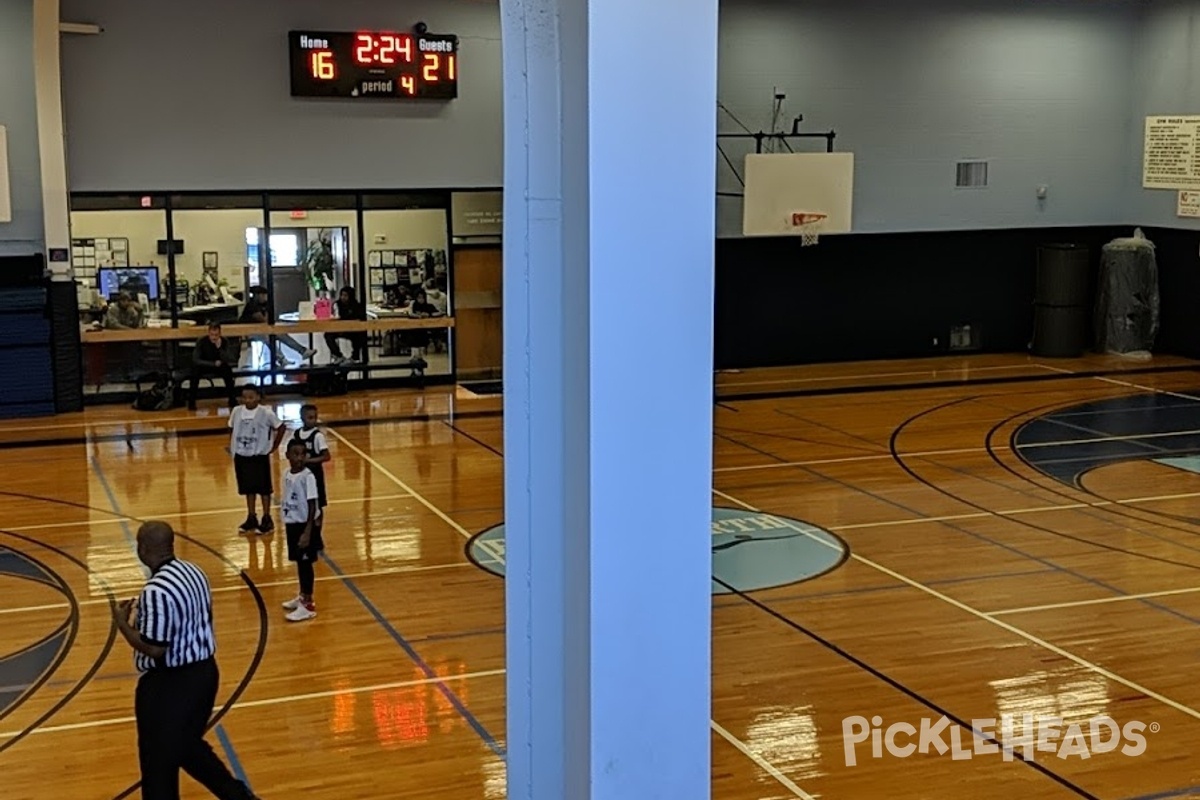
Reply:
x=255 y=312
x=348 y=308
x=212 y=357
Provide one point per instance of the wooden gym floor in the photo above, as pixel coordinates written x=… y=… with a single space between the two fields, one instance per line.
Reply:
x=1022 y=539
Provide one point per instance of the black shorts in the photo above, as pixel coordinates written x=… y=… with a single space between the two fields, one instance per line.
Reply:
x=315 y=545
x=253 y=475
x=318 y=471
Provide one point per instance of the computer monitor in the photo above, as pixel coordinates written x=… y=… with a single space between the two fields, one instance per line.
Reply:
x=135 y=280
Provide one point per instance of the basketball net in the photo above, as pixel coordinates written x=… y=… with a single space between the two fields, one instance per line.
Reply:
x=808 y=226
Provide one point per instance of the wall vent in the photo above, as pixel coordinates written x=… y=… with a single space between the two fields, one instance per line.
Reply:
x=971 y=174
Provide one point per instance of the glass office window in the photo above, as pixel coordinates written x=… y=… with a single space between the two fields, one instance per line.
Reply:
x=408 y=275
x=119 y=250
x=314 y=253
x=211 y=271
x=119 y=247
x=314 y=247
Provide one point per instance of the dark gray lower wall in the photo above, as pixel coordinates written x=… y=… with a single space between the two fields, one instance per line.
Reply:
x=881 y=296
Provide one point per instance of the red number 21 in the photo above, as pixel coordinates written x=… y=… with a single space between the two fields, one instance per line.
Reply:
x=432 y=62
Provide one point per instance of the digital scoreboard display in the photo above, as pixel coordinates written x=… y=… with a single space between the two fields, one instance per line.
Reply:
x=374 y=64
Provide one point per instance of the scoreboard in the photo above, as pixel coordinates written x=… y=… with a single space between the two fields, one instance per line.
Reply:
x=374 y=64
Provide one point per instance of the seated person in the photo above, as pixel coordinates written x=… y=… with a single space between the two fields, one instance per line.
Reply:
x=256 y=312
x=437 y=295
x=125 y=314
x=213 y=357
x=347 y=307
x=418 y=340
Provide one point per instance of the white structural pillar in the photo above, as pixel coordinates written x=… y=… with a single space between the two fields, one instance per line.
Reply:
x=610 y=125
x=51 y=141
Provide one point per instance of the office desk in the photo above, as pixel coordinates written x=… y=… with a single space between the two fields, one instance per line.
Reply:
x=220 y=312
x=183 y=333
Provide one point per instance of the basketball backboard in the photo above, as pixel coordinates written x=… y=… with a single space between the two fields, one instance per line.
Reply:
x=798 y=194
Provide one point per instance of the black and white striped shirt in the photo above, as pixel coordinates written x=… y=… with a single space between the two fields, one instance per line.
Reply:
x=175 y=612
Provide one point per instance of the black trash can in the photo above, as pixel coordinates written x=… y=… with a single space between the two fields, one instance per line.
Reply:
x=1059 y=331
x=1061 y=301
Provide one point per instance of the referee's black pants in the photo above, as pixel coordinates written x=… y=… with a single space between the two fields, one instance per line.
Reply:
x=172 y=707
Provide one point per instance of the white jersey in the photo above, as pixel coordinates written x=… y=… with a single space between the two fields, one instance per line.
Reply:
x=253 y=431
x=298 y=489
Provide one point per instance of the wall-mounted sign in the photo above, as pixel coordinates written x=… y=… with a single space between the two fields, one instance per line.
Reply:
x=1171 y=159
x=5 y=196
x=477 y=214
x=1189 y=204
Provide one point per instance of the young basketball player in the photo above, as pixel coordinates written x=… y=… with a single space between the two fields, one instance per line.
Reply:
x=317 y=448
x=256 y=434
x=302 y=521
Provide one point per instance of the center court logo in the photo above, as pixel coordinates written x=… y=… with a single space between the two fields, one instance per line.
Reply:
x=1026 y=735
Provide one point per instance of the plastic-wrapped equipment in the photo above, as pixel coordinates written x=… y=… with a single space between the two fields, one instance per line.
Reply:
x=1127 y=303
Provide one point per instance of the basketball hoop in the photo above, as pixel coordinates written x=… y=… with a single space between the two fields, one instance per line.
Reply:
x=807 y=225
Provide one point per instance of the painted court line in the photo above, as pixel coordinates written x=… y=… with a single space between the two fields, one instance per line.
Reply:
x=960 y=451
x=762 y=762
x=1029 y=637
x=850 y=459
x=242 y=587
x=932 y=375
x=741 y=746
x=1014 y=512
x=1098 y=601
x=403 y=486
x=1150 y=389
x=1102 y=438
x=114 y=423
x=117 y=518
x=273 y=701
x=1059 y=370
x=115 y=505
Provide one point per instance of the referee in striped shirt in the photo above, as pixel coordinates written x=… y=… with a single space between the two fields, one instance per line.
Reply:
x=170 y=628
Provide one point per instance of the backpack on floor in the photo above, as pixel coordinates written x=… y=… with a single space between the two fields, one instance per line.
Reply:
x=161 y=394
x=325 y=382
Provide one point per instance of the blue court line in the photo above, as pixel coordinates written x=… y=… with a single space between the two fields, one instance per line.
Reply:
x=458 y=704
x=110 y=677
x=235 y=764
x=983 y=538
x=889 y=588
x=1066 y=570
x=1191 y=790
x=447 y=637
x=112 y=502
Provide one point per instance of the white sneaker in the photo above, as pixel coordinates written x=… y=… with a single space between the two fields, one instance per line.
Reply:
x=309 y=353
x=302 y=614
x=294 y=603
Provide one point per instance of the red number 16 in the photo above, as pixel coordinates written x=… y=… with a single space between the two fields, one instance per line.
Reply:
x=321 y=65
